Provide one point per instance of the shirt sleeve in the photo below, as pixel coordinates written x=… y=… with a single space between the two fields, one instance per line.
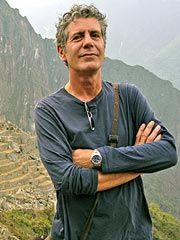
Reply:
x=55 y=153
x=145 y=158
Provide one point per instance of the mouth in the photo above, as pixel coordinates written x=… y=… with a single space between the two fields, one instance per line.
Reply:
x=88 y=55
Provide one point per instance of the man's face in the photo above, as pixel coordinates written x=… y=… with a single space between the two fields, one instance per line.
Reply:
x=84 y=50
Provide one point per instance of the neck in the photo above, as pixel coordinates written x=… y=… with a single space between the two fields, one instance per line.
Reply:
x=85 y=87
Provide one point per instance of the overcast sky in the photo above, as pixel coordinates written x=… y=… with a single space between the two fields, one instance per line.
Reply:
x=129 y=21
x=43 y=14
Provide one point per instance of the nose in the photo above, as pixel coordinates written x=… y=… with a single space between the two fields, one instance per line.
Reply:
x=88 y=41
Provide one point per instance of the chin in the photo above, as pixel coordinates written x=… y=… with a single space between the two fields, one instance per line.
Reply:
x=92 y=67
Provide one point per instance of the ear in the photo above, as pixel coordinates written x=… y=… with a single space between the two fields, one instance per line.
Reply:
x=62 y=54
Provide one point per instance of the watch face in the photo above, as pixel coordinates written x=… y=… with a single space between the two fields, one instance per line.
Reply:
x=96 y=158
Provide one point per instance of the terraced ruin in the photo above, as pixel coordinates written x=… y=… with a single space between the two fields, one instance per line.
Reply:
x=24 y=182
x=23 y=178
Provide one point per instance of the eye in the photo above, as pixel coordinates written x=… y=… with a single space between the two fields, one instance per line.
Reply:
x=77 y=38
x=95 y=34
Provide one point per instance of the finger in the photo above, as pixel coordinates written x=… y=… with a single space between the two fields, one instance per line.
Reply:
x=139 y=133
x=158 y=138
x=146 y=132
x=153 y=134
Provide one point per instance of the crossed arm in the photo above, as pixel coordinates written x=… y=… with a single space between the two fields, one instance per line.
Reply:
x=81 y=157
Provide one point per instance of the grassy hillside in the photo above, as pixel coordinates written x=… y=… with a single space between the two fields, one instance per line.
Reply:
x=166 y=227
x=162 y=189
x=35 y=225
x=27 y=224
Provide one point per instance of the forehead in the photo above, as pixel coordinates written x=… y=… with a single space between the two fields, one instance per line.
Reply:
x=83 y=24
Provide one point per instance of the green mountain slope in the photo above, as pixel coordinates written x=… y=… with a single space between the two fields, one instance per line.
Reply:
x=34 y=224
x=166 y=227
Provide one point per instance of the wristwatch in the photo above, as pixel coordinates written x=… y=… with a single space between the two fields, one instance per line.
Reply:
x=96 y=159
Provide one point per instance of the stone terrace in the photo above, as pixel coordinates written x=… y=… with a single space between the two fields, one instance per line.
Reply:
x=24 y=181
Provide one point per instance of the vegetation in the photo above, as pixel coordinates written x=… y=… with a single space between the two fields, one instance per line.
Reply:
x=163 y=189
x=35 y=225
x=28 y=224
x=166 y=227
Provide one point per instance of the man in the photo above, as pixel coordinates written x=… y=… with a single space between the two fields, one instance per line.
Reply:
x=72 y=128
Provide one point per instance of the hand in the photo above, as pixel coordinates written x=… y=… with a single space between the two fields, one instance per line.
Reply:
x=147 y=134
x=81 y=157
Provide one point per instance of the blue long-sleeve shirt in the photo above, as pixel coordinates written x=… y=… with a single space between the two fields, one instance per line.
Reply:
x=62 y=125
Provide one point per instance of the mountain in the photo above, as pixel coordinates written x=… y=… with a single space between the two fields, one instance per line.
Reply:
x=160 y=93
x=165 y=62
x=30 y=69
x=29 y=66
x=148 y=34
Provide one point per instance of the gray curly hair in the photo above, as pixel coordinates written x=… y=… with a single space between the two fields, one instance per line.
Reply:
x=78 y=11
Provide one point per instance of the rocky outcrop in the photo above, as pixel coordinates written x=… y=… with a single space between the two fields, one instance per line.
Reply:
x=29 y=67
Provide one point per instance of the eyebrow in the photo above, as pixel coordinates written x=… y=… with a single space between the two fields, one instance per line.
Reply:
x=78 y=33
x=82 y=32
